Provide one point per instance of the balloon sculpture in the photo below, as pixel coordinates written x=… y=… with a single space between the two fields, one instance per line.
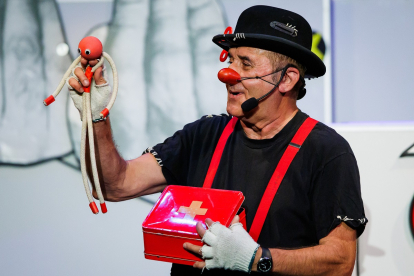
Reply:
x=89 y=48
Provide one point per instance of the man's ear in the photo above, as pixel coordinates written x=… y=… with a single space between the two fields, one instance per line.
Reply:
x=290 y=79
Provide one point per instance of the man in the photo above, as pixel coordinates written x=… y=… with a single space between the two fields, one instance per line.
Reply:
x=317 y=214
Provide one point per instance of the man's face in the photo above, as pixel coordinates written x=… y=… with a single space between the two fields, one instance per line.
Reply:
x=249 y=62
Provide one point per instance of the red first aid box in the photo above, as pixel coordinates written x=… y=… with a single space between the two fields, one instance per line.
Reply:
x=172 y=221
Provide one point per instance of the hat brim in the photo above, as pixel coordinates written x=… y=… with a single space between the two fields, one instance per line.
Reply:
x=314 y=65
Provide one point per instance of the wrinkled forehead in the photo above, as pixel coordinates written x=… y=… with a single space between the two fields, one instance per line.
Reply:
x=252 y=54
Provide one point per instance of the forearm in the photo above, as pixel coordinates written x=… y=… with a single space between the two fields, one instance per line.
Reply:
x=317 y=260
x=331 y=257
x=121 y=179
x=111 y=166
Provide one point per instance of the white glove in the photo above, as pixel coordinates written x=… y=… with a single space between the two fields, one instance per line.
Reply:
x=100 y=95
x=229 y=248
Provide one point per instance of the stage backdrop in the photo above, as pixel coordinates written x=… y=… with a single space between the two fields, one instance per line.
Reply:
x=167 y=67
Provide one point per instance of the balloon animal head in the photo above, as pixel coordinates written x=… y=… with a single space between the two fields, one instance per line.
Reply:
x=90 y=48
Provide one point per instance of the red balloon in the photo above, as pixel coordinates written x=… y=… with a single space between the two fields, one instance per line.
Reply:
x=90 y=48
x=229 y=76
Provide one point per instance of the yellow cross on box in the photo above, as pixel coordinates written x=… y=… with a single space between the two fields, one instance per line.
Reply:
x=193 y=210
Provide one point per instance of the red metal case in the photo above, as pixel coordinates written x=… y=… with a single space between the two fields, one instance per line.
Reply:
x=172 y=221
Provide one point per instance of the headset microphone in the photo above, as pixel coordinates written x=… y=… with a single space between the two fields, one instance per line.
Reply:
x=252 y=103
x=231 y=77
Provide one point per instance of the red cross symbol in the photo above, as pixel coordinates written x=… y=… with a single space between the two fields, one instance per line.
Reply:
x=193 y=210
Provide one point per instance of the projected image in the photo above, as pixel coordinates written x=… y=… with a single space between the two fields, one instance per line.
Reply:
x=166 y=63
x=33 y=58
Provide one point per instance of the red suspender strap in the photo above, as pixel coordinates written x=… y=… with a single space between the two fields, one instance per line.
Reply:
x=215 y=160
x=278 y=175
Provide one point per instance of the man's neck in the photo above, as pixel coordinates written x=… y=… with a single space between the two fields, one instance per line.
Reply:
x=268 y=127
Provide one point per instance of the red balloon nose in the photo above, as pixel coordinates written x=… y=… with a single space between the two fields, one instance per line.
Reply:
x=229 y=76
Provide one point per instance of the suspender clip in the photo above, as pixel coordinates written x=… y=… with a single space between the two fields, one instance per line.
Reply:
x=294 y=145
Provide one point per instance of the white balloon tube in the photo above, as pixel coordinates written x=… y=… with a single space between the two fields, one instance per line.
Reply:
x=52 y=97
x=105 y=112
x=92 y=204
x=99 y=64
x=87 y=98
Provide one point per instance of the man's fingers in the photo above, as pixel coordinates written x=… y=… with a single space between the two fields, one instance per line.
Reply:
x=199 y=265
x=81 y=76
x=209 y=222
x=236 y=219
x=75 y=85
x=99 y=79
x=200 y=229
x=93 y=62
x=84 y=62
x=195 y=249
x=98 y=76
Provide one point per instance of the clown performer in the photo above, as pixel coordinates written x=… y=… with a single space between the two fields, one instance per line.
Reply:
x=310 y=224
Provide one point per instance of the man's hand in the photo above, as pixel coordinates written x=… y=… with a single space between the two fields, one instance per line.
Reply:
x=100 y=90
x=229 y=248
x=80 y=74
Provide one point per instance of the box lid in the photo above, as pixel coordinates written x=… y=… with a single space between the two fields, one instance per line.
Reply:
x=179 y=208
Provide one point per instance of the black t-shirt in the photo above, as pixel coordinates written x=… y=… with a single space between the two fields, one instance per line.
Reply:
x=320 y=189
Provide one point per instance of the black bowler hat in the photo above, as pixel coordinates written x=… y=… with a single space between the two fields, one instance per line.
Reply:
x=275 y=30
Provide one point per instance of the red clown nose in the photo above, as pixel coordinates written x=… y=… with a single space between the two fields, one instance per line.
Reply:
x=229 y=76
